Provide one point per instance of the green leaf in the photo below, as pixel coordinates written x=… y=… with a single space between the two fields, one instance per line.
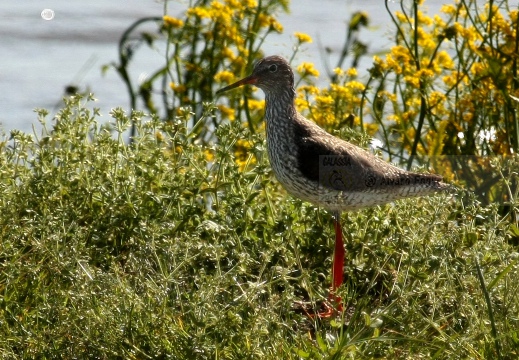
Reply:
x=302 y=353
x=513 y=230
x=502 y=274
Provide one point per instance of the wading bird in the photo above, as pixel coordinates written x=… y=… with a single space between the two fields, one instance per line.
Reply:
x=318 y=167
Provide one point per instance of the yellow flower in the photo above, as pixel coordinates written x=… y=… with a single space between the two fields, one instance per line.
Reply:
x=239 y=61
x=393 y=117
x=379 y=67
x=424 y=19
x=221 y=13
x=451 y=80
x=276 y=26
x=448 y=9
x=437 y=100
x=240 y=5
x=256 y=105
x=426 y=74
x=401 y=17
x=234 y=4
x=352 y=72
x=324 y=118
x=388 y=95
x=269 y=21
x=307 y=69
x=302 y=104
x=445 y=60
x=324 y=100
x=263 y=20
x=339 y=90
x=338 y=71
x=478 y=68
x=199 y=12
x=408 y=116
x=302 y=38
x=439 y=22
x=355 y=85
x=370 y=128
x=178 y=88
x=227 y=112
x=401 y=54
x=228 y=53
x=224 y=76
x=172 y=22
x=426 y=40
x=399 y=59
x=159 y=136
x=242 y=155
x=308 y=89
x=209 y=155
x=392 y=64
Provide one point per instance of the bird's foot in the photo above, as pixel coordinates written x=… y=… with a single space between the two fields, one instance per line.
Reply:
x=325 y=309
x=335 y=300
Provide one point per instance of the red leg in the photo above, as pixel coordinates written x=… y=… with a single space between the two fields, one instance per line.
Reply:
x=338 y=261
x=338 y=257
x=337 y=274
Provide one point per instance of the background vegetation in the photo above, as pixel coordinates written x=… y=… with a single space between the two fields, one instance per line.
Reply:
x=181 y=244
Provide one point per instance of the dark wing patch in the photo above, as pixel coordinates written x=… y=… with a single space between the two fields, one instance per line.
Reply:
x=308 y=158
x=339 y=165
x=319 y=161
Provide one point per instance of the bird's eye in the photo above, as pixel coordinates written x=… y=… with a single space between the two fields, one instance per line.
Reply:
x=273 y=68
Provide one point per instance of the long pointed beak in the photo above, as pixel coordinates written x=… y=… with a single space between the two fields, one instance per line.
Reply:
x=247 y=80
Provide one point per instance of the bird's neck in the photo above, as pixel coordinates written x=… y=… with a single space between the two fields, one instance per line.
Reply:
x=280 y=110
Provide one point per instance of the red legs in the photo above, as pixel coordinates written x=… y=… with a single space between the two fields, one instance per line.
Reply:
x=337 y=274
x=338 y=261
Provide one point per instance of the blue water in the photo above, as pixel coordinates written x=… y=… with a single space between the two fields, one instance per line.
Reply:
x=39 y=57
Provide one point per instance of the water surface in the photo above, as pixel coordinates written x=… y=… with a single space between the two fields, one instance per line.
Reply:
x=39 y=58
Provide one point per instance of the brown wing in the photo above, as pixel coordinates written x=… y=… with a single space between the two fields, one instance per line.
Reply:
x=339 y=165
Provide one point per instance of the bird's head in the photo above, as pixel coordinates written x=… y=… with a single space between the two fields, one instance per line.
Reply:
x=270 y=74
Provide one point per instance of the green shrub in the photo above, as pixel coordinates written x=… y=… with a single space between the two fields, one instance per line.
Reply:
x=168 y=248
x=180 y=244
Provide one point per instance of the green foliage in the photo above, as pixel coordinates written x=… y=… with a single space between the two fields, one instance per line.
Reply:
x=181 y=244
x=168 y=249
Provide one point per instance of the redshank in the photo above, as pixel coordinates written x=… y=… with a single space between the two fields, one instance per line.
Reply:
x=318 y=167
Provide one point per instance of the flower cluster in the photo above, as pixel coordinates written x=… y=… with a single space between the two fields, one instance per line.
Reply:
x=302 y=38
x=453 y=79
x=209 y=45
x=331 y=105
x=307 y=69
x=173 y=22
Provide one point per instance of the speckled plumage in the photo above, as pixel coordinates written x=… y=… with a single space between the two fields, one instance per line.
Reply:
x=325 y=170
x=317 y=167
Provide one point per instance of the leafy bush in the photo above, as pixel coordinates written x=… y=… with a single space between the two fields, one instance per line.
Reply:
x=182 y=245
x=168 y=248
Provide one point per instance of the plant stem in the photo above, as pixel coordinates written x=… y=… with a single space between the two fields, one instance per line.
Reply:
x=489 y=308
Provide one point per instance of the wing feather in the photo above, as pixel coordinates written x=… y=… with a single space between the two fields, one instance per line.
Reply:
x=339 y=165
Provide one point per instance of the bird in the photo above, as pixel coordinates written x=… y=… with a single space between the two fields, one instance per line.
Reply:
x=317 y=167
